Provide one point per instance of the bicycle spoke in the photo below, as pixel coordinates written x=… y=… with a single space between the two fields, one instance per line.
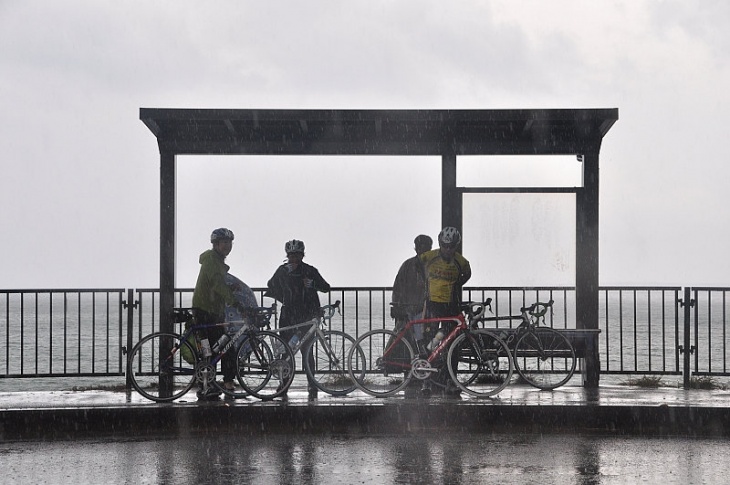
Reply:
x=326 y=362
x=379 y=365
x=545 y=358
x=260 y=371
x=157 y=369
x=480 y=363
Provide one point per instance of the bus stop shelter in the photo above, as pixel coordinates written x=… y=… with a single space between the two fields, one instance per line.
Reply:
x=444 y=133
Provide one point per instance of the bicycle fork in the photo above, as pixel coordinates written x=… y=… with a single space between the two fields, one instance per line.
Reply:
x=488 y=361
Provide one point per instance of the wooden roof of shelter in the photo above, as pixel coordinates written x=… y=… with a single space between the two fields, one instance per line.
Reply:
x=378 y=132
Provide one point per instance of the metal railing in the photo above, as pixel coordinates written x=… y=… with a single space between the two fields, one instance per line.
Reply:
x=86 y=332
x=709 y=343
x=55 y=333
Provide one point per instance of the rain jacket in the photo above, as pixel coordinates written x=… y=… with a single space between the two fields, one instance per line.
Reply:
x=211 y=292
x=409 y=288
x=299 y=303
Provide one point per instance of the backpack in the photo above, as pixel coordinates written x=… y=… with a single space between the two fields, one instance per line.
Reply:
x=186 y=352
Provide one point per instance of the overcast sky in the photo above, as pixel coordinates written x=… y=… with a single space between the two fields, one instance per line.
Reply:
x=79 y=191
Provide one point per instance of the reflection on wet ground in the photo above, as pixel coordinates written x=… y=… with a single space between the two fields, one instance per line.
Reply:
x=110 y=437
x=445 y=458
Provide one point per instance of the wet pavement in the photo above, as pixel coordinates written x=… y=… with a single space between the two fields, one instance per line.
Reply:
x=617 y=409
x=615 y=434
x=453 y=458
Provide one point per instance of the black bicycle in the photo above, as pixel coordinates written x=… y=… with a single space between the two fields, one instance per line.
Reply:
x=543 y=356
x=165 y=366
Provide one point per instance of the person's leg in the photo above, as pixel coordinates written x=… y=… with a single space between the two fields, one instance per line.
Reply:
x=436 y=310
x=285 y=321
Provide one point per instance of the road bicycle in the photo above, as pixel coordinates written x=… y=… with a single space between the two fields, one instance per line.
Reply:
x=543 y=356
x=324 y=352
x=478 y=361
x=164 y=366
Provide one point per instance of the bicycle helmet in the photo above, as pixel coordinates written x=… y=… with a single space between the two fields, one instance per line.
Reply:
x=220 y=234
x=294 y=246
x=449 y=235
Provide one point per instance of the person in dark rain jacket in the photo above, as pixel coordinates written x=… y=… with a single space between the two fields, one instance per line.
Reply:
x=296 y=285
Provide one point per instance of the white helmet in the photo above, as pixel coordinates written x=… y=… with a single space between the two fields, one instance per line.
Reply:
x=294 y=246
x=449 y=235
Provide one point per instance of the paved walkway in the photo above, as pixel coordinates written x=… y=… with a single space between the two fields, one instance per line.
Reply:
x=610 y=408
x=513 y=395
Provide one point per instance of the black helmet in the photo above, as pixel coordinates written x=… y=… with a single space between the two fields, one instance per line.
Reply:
x=294 y=246
x=220 y=234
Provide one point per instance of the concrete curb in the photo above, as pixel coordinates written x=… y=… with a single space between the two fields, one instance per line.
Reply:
x=359 y=419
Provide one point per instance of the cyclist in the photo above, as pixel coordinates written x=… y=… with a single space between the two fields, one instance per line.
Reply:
x=295 y=284
x=409 y=295
x=409 y=287
x=210 y=298
x=446 y=272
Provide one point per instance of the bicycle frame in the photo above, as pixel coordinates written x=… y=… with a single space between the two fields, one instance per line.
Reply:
x=315 y=325
x=529 y=320
x=246 y=327
x=218 y=355
x=461 y=326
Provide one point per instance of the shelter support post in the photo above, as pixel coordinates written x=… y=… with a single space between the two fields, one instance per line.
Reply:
x=443 y=133
x=586 y=264
x=167 y=254
x=451 y=197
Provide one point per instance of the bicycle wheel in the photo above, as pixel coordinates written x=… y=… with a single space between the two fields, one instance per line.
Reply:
x=544 y=358
x=265 y=365
x=480 y=363
x=157 y=369
x=241 y=367
x=325 y=362
x=379 y=363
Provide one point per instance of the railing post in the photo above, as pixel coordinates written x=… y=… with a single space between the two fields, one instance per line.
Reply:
x=687 y=349
x=130 y=304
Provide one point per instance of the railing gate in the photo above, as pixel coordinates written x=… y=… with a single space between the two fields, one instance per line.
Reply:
x=687 y=349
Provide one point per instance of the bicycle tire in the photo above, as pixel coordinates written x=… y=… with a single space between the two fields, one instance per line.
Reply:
x=483 y=363
x=377 y=366
x=326 y=365
x=544 y=358
x=265 y=365
x=161 y=380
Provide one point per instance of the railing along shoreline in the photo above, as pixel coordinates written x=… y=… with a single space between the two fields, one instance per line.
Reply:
x=85 y=332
